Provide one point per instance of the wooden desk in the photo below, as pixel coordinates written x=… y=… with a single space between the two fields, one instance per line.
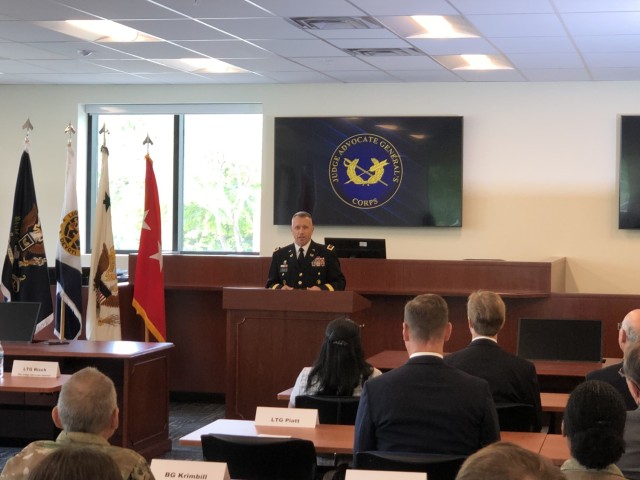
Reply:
x=25 y=408
x=551 y=402
x=339 y=438
x=8 y=383
x=326 y=438
x=556 y=448
x=554 y=376
x=140 y=372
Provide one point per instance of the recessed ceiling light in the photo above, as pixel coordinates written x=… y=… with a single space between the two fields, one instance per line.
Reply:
x=103 y=31
x=473 y=62
x=430 y=26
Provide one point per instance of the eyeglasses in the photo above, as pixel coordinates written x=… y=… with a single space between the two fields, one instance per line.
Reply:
x=621 y=372
x=623 y=375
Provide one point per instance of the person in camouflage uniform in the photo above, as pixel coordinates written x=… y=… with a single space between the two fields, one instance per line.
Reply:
x=87 y=412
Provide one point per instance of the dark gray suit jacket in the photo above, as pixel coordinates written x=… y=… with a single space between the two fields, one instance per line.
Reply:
x=426 y=406
x=630 y=461
x=610 y=375
x=511 y=379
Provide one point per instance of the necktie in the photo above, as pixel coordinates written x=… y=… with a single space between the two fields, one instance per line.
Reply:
x=300 y=255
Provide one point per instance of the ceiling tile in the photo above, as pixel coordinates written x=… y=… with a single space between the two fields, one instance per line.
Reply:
x=535 y=25
x=609 y=43
x=453 y=46
x=226 y=49
x=596 y=5
x=533 y=44
x=260 y=28
x=434 y=75
x=374 y=76
x=334 y=64
x=300 y=77
x=546 y=60
x=215 y=8
x=405 y=7
x=300 y=48
x=556 y=74
x=490 y=75
x=605 y=23
x=308 y=8
x=474 y=7
x=613 y=60
x=177 y=29
x=153 y=50
x=122 y=9
x=618 y=74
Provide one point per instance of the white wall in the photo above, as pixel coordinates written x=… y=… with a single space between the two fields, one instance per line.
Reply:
x=540 y=164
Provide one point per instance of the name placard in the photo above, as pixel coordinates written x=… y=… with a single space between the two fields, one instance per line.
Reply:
x=29 y=368
x=286 y=417
x=379 y=475
x=189 y=470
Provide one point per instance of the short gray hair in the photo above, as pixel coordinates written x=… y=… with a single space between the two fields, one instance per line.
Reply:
x=87 y=401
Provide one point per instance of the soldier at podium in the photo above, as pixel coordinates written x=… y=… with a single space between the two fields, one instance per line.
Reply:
x=305 y=264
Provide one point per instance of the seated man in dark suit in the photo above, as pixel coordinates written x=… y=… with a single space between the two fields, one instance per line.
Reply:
x=512 y=379
x=629 y=463
x=426 y=405
x=628 y=334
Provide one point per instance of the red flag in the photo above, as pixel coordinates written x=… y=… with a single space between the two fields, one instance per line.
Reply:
x=148 y=290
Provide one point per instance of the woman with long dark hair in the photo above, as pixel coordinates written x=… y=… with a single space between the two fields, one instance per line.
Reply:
x=340 y=368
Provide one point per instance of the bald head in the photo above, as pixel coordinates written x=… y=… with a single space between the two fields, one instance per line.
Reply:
x=629 y=330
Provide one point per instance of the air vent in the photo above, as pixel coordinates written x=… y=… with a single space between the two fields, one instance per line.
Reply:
x=384 y=52
x=335 y=23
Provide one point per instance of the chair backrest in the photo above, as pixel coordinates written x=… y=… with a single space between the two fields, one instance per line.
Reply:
x=437 y=466
x=332 y=410
x=262 y=458
x=516 y=417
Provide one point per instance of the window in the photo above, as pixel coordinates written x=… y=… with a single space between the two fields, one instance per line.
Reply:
x=207 y=160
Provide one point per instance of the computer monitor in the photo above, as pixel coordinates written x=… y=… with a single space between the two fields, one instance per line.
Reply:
x=18 y=320
x=560 y=339
x=358 y=247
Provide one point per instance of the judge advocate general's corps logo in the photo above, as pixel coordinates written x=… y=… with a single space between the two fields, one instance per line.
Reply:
x=365 y=171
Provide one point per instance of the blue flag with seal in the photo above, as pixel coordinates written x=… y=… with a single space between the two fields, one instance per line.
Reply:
x=68 y=266
x=25 y=276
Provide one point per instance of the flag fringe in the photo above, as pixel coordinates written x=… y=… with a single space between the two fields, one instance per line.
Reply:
x=150 y=326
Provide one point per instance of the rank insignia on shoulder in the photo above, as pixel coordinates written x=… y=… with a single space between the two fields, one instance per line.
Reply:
x=276 y=249
x=330 y=247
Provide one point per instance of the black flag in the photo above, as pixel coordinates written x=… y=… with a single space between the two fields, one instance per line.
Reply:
x=25 y=276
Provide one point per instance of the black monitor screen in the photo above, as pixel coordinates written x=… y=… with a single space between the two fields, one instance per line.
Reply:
x=384 y=171
x=358 y=247
x=560 y=339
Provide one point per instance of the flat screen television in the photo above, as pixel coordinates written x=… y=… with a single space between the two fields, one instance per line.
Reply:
x=358 y=247
x=560 y=339
x=382 y=171
x=629 y=181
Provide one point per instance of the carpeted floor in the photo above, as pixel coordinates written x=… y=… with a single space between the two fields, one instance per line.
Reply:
x=184 y=417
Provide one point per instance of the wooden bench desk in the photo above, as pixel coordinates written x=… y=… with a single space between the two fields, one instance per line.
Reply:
x=339 y=438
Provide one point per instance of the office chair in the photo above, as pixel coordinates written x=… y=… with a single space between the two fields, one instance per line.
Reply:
x=516 y=417
x=437 y=466
x=331 y=410
x=262 y=458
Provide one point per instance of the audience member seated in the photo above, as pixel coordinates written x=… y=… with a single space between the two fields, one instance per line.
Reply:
x=87 y=413
x=340 y=369
x=76 y=463
x=508 y=461
x=594 y=426
x=426 y=405
x=628 y=335
x=511 y=379
x=629 y=463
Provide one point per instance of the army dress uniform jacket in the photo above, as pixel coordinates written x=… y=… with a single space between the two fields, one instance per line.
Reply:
x=320 y=268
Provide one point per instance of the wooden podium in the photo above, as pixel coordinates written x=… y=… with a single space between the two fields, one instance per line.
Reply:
x=271 y=336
